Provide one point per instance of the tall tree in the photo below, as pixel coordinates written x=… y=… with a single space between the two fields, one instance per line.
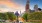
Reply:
x=36 y=16
x=4 y=16
x=11 y=15
x=25 y=16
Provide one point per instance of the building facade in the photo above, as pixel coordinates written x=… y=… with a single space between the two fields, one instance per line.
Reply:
x=36 y=8
x=27 y=6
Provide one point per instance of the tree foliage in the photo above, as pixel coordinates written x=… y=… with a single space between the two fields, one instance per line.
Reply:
x=11 y=15
x=7 y=16
x=3 y=16
x=25 y=16
x=36 y=16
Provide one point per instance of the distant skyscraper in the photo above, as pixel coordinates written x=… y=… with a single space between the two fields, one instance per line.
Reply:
x=36 y=8
x=41 y=10
x=27 y=6
x=20 y=12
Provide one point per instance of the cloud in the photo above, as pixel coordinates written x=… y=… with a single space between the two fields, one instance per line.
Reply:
x=8 y=5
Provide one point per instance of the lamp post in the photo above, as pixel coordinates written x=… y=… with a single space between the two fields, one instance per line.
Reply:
x=17 y=14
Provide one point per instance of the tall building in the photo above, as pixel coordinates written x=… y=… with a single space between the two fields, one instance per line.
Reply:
x=36 y=8
x=41 y=10
x=20 y=12
x=27 y=6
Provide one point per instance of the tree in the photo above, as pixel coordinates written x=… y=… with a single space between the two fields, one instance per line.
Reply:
x=3 y=16
x=25 y=16
x=36 y=16
x=11 y=15
x=6 y=17
x=39 y=9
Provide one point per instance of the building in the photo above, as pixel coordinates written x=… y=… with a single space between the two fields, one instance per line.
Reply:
x=39 y=10
x=27 y=6
x=31 y=11
x=36 y=8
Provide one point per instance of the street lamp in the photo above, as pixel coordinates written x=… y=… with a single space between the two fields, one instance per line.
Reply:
x=17 y=14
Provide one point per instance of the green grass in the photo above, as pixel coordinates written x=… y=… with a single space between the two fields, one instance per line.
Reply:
x=32 y=22
x=26 y=22
x=2 y=22
x=5 y=22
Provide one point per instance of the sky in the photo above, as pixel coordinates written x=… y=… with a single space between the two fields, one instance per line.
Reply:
x=17 y=5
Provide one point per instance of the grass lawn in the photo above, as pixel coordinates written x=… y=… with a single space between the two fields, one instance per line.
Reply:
x=32 y=22
x=2 y=22
x=27 y=22
x=23 y=22
x=5 y=22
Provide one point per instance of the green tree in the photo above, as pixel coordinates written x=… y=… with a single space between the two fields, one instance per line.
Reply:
x=25 y=16
x=4 y=16
x=36 y=16
x=11 y=15
x=1 y=15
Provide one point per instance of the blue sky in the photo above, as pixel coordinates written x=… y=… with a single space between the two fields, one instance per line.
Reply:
x=32 y=3
x=17 y=5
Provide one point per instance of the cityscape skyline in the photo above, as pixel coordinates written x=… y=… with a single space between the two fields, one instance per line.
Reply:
x=17 y=5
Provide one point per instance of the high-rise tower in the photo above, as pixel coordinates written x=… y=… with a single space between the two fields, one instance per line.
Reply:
x=27 y=6
x=36 y=8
